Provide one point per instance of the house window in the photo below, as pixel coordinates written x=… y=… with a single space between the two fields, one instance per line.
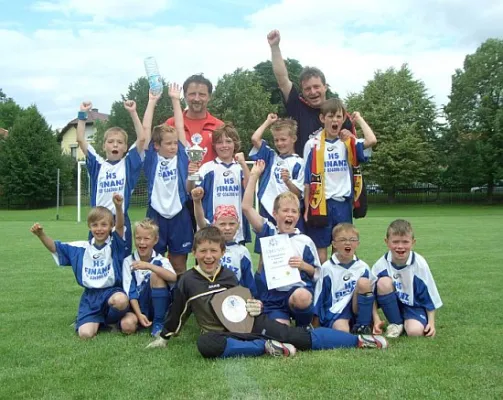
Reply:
x=73 y=151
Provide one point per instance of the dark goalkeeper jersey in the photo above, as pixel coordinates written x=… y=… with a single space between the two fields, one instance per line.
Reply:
x=193 y=294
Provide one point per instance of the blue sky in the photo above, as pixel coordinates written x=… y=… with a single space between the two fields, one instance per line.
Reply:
x=56 y=53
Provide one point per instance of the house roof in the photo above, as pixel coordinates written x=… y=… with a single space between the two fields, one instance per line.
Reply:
x=92 y=116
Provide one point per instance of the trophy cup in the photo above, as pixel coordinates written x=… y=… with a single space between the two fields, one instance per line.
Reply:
x=195 y=154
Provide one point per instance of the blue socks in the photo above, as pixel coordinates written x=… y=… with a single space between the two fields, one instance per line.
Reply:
x=365 y=303
x=389 y=305
x=235 y=347
x=114 y=315
x=161 y=299
x=327 y=338
x=303 y=317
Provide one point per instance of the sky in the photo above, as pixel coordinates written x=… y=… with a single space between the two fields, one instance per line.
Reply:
x=57 y=53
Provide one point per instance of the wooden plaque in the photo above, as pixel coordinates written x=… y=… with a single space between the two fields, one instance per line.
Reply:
x=230 y=307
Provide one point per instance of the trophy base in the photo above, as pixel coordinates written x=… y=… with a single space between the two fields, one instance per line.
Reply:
x=194 y=178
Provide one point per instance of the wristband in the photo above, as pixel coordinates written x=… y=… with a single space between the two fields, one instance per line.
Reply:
x=82 y=116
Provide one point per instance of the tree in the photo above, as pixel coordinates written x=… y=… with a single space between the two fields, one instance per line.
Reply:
x=475 y=114
x=402 y=115
x=9 y=111
x=239 y=98
x=29 y=159
x=137 y=91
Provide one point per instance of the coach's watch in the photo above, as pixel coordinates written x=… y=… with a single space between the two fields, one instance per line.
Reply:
x=82 y=116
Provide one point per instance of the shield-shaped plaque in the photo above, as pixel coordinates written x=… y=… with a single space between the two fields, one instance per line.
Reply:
x=230 y=307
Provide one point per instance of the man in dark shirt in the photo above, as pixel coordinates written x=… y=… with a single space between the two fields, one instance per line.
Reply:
x=194 y=293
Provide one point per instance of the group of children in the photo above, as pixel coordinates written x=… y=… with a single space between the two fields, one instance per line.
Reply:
x=309 y=198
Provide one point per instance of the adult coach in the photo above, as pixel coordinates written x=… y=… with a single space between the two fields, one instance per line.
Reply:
x=196 y=119
x=302 y=107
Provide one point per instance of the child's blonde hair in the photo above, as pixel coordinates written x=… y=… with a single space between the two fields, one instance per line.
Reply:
x=400 y=227
x=115 y=129
x=285 y=196
x=344 y=227
x=99 y=213
x=159 y=131
x=228 y=130
x=149 y=225
x=285 y=124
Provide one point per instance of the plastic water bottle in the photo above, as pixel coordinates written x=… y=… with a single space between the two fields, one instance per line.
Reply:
x=154 y=78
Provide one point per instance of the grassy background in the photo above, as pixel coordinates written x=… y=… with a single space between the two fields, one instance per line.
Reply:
x=42 y=358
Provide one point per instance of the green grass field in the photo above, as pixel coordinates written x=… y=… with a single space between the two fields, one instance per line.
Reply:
x=42 y=358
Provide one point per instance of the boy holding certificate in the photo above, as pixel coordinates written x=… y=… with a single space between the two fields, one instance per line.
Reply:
x=293 y=300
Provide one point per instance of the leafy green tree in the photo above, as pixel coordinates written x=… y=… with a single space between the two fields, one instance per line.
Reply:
x=475 y=114
x=29 y=159
x=240 y=98
x=9 y=111
x=403 y=117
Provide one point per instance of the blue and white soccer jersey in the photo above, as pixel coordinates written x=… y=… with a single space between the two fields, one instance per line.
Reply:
x=415 y=288
x=237 y=258
x=136 y=284
x=271 y=184
x=108 y=178
x=98 y=270
x=167 y=195
x=276 y=300
x=338 y=185
x=334 y=292
x=222 y=184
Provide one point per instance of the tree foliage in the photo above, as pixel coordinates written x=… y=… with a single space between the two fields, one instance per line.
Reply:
x=240 y=98
x=474 y=143
x=403 y=117
x=9 y=111
x=29 y=159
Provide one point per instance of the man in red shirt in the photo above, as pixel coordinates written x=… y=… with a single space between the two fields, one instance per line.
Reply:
x=197 y=120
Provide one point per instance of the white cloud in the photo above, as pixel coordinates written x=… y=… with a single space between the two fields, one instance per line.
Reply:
x=59 y=67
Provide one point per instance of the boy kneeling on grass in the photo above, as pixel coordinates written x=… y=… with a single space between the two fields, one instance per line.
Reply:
x=195 y=291
x=97 y=265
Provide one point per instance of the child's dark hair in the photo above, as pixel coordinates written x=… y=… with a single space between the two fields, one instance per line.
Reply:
x=209 y=234
x=228 y=130
x=331 y=106
x=198 y=79
x=400 y=227
x=159 y=131
x=311 y=72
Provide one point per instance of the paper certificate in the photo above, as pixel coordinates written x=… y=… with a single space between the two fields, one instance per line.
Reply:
x=276 y=251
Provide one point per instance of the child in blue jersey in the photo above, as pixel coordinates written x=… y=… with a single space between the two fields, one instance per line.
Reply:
x=148 y=278
x=166 y=165
x=283 y=170
x=224 y=178
x=97 y=266
x=343 y=296
x=294 y=301
x=116 y=174
x=338 y=178
x=406 y=291
x=237 y=257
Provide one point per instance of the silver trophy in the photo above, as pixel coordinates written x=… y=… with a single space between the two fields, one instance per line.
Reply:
x=195 y=154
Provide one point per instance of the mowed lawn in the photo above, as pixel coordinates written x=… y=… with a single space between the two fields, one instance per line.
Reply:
x=42 y=358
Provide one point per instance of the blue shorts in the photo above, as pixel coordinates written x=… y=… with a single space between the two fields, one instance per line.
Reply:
x=337 y=212
x=93 y=306
x=278 y=308
x=301 y=225
x=347 y=313
x=417 y=313
x=175 y=234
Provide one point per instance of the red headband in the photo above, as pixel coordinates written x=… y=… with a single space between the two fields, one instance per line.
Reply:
x=225 y=211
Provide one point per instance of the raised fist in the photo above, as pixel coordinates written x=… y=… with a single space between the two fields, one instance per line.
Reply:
x=273 y=38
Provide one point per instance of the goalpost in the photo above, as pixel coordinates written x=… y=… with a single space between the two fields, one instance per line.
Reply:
x=138 y=198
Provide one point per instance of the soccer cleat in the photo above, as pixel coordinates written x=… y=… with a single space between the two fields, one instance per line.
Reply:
x=156 y=330
x=394 y=330
x=372 y=342
x=276 y=349
x=361 y=330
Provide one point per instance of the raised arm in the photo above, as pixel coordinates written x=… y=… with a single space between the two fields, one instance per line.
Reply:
x=174 y=94
x=240 y=158
x=161 y=272
x=130 y=106
x=149 y=116
x=197 y=197
x=119 y=214
x=253 y=217
x=81 y=126
x=38 y=231
x=256 y=138
x=368 y=134
x=278 y=64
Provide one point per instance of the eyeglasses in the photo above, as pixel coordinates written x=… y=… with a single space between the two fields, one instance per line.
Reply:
x=351 y=240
